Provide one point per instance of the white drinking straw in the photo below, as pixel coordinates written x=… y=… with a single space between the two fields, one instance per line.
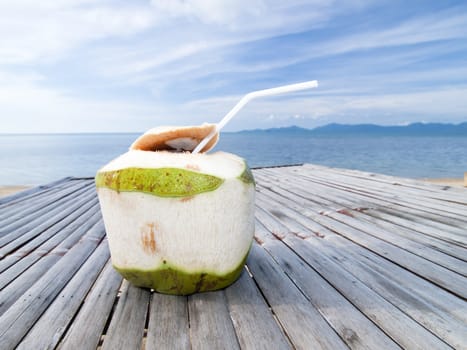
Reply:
x=247 y=98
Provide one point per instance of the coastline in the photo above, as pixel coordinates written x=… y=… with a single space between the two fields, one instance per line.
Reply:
x=454 y=182
x=9 y=190
x=447 y=182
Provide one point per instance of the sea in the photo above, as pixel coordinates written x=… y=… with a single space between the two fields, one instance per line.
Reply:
x=35 y=159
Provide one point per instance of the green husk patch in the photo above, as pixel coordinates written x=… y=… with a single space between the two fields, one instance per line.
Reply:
x=247 y=176
x=170 y=280
x=162 y=182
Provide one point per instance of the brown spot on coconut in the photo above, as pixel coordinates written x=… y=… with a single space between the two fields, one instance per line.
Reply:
x=173 y=138
x=148 y=238
x=192 y=167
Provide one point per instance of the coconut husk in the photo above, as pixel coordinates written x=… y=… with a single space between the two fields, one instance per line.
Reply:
x=175 y=138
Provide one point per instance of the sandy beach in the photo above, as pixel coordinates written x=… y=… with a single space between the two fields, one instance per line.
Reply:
x=8 y=190
x=446 y=182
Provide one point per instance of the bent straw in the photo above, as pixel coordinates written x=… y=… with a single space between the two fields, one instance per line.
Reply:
x=247 y=98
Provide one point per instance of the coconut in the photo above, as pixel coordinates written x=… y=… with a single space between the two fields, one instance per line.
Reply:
x=177 y=222
x=173 y=138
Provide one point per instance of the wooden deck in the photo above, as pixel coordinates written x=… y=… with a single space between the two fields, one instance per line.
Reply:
x=341 y=259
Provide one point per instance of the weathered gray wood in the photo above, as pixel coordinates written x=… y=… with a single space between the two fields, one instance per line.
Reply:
x=392 y=320
x=12 y=265
x=22 y=210
x=442 y=229
x=396 y=194
x=49 y=329
x=34 y=191
x=210 y=323
x=367 y=199
x=403 y=243
x=22 y=315
x=434 y=272
x=320 y=196
x=440 y=321
x=26 y=223
x=353 y=327
x=253 y=321
x=168 y=326
x=442 y=192
x=347 y=259
x=59 y=218
x=293 y=310
x=126 y=329
x=16 y=287
x=86 y=330
x=304 y=226
x=17 y=217
x=409 y=231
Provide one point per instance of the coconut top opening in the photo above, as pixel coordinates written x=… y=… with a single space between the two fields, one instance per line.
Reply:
x=175 y=139
x=220 y=164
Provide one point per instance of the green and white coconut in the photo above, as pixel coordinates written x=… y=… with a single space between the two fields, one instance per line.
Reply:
x=177 y=222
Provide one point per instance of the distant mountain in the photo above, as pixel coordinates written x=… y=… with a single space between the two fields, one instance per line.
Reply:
x=288 y=129
x=415 y=129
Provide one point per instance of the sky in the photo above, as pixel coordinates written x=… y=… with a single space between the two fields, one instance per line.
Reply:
x=127 y=66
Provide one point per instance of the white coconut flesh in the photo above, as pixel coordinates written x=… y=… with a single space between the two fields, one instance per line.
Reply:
x=178 y=222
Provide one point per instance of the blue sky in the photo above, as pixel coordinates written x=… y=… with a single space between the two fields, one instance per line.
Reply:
x=114 y=66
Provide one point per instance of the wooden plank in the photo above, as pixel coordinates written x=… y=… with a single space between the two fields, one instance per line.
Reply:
x=28 y=222
x=442 y=192
x=408 y=230
x=450 y=235
x=440 y=320
x=21 y=316
x=425 y=189
x=320 y=194
x=59 y=218
x=443 y=229
x=298 y=217
x=293 y=310
x=253 y=321
x=49 y=329
x=168 y=326
x=11 y=208
x=435 y=273
x=394 y=322
x=357 y=331
x=371 y=199
x=22 y=211
x=210 y=323
x=396 y=194
x=12 y=265
x=126 y=328
x=24 y=225
x=421 y=250
x=16 y=217
x=15 y=288
x=34 y=191
x=86 y=330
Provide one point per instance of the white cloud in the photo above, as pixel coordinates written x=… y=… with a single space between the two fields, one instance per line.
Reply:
x=203 y=51
x=45 y=31
x=441 y=26
x=448 y=104
x=212 y=11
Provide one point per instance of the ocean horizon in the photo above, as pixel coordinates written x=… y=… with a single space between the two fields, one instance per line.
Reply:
x=33 y=159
